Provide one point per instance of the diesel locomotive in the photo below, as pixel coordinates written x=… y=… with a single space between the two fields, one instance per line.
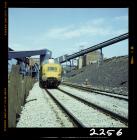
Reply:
x=50 y=74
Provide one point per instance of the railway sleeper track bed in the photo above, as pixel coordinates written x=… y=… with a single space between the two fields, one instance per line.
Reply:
x=82 y=114
x=98 y=91
x=104 y=110
x=115 y=105
x=75 y=121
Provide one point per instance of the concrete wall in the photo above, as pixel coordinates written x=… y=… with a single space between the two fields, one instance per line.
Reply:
x=92 y=56
x=88 y=59
x=18 y=90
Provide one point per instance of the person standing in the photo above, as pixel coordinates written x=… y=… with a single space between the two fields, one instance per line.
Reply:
x=22 y=69
x=33 y=71
x=37 y=71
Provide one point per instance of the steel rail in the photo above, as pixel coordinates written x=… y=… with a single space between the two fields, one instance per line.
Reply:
x=70 y=115
x=104 y=110
x=106 y=93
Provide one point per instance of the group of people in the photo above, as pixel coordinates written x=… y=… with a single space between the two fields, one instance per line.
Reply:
x=27 y=70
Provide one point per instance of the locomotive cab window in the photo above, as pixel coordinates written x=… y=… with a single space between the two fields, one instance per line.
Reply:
x=52 y=69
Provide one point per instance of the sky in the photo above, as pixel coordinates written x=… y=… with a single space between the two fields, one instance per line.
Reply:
x=67 y=30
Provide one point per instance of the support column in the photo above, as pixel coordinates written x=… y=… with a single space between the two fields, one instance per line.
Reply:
x=101 y=56
x=70 y=64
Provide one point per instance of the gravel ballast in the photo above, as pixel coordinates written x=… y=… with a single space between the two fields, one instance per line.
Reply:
x=41 y=111
x=87 y=115
x=110 y=103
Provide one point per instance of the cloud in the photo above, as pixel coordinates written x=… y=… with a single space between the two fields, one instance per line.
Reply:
x=98 y=21
x=16 y=46
x=96 y=27
x=62 y=33
x=58 y=32
x=74 y=32
x=120 y=31
x=121 y=18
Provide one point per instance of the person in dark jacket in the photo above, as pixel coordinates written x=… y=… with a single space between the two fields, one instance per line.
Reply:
x=22 y=69
x=35 y=71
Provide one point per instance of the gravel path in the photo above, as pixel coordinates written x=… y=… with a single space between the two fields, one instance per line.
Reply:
x=113 y=104
x=89 y=116
x=41 y=111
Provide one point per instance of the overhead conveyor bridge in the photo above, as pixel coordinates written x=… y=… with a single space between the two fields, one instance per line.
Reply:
x=44 y=54
x=66 y=58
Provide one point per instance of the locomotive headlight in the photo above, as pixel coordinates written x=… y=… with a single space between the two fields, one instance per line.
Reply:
x=44 y=78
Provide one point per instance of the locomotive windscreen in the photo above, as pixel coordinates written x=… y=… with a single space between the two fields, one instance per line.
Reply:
x=52 y=69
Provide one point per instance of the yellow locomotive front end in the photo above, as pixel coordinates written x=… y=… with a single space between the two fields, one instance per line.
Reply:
x=51 y=74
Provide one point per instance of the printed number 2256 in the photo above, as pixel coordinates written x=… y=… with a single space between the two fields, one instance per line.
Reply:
x=103 y=132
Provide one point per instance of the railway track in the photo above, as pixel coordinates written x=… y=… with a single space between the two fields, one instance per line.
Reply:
x=104 y=110
x=55 y=95
x=75 y=121
x=98 y=91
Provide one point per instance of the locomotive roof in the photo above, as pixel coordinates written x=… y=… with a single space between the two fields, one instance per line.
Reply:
x=50 y=61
